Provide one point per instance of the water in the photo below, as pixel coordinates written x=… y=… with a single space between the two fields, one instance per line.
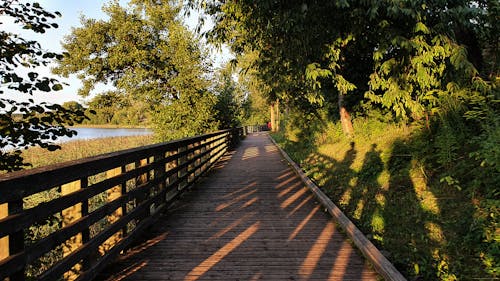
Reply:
x=97 y=133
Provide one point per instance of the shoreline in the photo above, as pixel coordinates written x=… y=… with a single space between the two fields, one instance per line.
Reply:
x=109 y=126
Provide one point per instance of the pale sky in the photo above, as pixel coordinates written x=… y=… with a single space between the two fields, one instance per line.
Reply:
x=71 y=11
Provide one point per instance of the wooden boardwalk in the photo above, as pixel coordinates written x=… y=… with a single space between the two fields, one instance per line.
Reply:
x=250 y=219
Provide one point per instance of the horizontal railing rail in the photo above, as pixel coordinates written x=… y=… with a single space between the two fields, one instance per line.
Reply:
x=69 y=220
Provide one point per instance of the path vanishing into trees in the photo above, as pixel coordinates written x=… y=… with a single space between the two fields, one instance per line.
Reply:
x=251 y=218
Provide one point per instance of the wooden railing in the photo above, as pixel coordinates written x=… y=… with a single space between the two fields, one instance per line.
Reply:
x=88 y=211
x=255 y=128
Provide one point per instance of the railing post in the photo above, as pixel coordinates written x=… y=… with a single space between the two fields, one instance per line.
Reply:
x=203 y=149
x=70 y=215
x=159 y=173
x=181 y=160
x=197 y=152
x=112 y=194
x=4 y=241
x=141 y=179
x=192 y=173
x=16 y=240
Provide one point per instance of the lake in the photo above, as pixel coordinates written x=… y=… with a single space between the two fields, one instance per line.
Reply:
x=97 y=133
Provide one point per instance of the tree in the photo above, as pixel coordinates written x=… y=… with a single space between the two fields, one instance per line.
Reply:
x=147 y=55
x=256 y=106
x=401 y=55
x=73 y=105
x=26 y=123
x=230 y=99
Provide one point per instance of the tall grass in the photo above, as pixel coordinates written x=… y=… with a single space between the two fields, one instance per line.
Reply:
x=77 y=149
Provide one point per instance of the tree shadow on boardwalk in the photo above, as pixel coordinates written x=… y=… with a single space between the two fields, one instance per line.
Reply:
x=250 y=219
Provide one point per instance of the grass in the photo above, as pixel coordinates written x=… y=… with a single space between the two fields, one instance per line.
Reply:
x=422 y=225
x=77 y=149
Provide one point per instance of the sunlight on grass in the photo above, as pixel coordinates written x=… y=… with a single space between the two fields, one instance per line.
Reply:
x=73 y=150
x=379 y=183
x=345 y=199
x=380 y=199
x=378 y=222
x=359 y=209
x=435 y=232
x=428 y=201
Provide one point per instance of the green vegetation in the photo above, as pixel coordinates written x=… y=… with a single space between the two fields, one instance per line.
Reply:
x=426 y=202
x=25 y=124
x=159 y=70
x=112 y=110
x=392 y=106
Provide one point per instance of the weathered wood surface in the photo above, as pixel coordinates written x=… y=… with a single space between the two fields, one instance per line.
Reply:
x=251 y=219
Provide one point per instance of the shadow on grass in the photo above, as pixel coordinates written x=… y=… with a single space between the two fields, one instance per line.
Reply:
x=420 y=224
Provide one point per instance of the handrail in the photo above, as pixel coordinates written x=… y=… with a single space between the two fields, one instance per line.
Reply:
x=100 y=204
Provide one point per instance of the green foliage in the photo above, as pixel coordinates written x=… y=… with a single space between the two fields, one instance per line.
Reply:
x=406 y=56
x=112 y=108
x=188 y=116
x=256 y=105
x=26 y=124
x=73 y=105
x=155 y=64
x=230 y=100
x=399 y=186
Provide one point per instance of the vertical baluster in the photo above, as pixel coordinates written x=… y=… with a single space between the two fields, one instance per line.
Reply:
x=70 y=215
x=112 y=194
x=203 y=150
x=197 y=152
x=4 y=241
x=189 y=169
x=158 y=173
x=180 y=161
x=84 y=183
x=16 y=240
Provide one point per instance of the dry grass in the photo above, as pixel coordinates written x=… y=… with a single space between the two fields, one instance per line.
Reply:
x=77 y=149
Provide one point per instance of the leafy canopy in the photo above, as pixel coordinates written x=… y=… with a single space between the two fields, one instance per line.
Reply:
x=145 y=52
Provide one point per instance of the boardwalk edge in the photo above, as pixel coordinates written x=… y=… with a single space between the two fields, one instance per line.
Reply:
x=381 y=264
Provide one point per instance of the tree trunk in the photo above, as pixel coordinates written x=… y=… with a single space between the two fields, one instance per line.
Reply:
x=345 y=118
x=273 y=118
x=277 y=115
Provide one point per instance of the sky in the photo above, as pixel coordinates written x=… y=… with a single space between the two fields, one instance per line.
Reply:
x=71 y=11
